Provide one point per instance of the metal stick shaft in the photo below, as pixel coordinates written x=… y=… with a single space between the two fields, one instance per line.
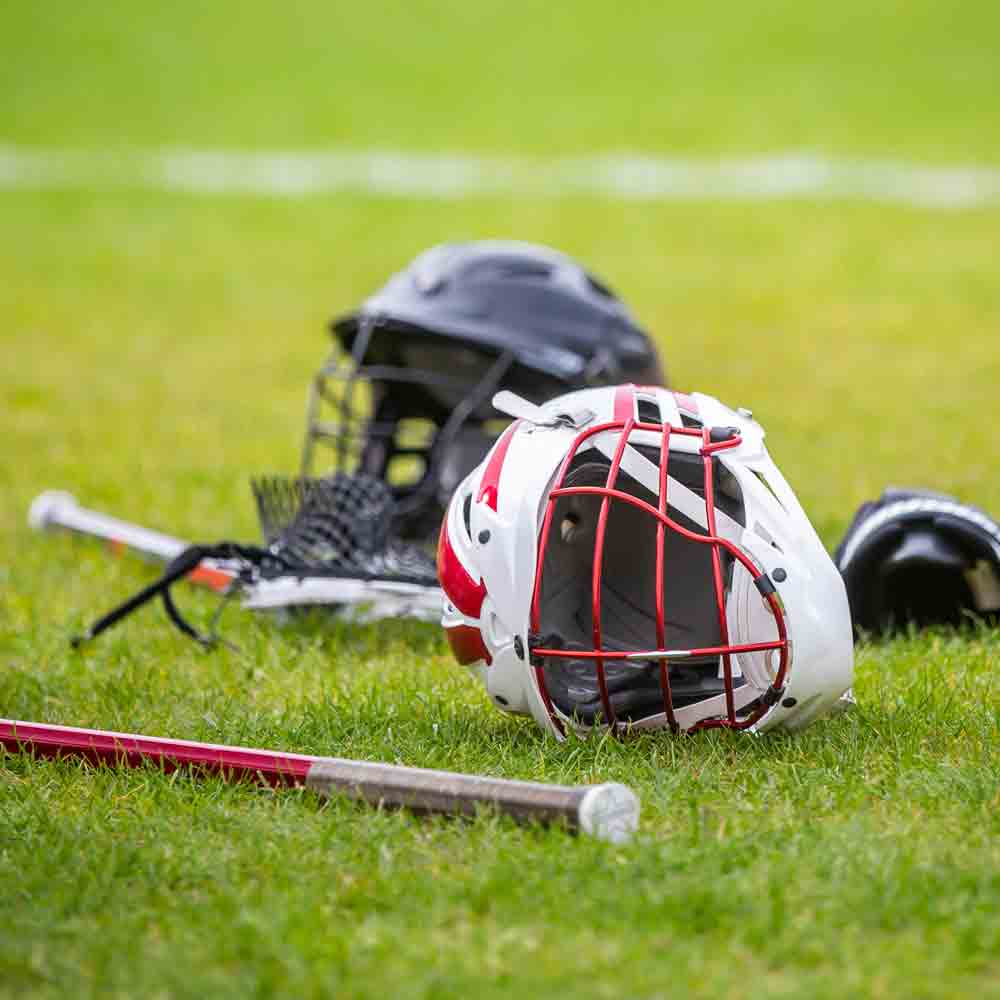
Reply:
x=608 y=811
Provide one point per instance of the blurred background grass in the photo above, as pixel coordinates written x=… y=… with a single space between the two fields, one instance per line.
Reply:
x=862 y=335
x=910 y=79
x=157 y=349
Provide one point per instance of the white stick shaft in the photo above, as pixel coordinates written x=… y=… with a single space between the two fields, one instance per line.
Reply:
x=56 y=509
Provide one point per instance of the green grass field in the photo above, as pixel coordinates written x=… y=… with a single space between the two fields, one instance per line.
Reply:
x=157 y=352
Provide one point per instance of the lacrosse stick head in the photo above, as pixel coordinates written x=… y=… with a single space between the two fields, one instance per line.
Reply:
x=335 y=527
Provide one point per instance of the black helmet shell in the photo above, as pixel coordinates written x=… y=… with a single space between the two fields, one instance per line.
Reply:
x=554 y=316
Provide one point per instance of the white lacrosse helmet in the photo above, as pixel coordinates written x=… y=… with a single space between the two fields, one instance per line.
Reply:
x=631 y=556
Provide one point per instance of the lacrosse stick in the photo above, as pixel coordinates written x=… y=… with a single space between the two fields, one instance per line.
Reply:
x=607 y=811
x=359 y=593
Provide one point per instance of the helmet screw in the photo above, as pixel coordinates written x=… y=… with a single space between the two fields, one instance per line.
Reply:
x=789 y=703
x=518 y=647
x=484 y=537
x=780 y=575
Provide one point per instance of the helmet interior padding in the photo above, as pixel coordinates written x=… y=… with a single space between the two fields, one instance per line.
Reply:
x=628 y=595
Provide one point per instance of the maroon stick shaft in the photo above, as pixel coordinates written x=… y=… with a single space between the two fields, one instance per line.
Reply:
x=101 y=746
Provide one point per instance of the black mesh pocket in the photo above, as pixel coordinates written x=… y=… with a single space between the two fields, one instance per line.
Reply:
x=334 y=526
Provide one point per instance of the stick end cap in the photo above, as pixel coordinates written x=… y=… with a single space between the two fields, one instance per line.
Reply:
x=46 y=506
x=609 y=812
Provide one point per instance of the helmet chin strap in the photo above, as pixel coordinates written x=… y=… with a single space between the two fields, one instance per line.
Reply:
x=681 y=497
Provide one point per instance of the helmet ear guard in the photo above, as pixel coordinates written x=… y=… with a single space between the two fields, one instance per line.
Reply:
x=914 y=556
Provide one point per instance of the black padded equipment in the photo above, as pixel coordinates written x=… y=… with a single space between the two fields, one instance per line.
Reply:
x=922 y=558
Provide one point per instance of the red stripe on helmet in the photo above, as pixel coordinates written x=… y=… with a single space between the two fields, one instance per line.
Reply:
x=625 y=403
x=467 y=644
x=464 y=592
x=489 y=487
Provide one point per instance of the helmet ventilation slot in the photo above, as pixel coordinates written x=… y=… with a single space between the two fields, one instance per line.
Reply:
x=648 y=410
x=770 y=489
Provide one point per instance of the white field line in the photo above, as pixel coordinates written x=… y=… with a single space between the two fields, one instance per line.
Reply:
x=625 y=177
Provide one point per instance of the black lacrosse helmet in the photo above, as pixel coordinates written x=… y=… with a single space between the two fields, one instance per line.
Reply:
x=405 y=396
x=922 y=558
